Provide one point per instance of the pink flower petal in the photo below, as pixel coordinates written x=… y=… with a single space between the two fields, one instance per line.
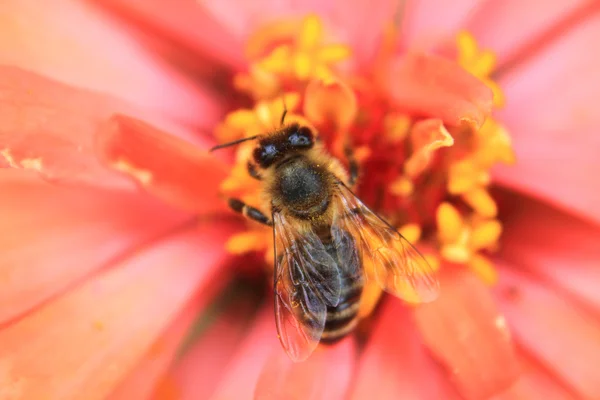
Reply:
x=325 y=375
x=562 y=337
x=554 y=122
x=395 y=364
x=94 y=335
x=466 y=333
x=427 y=23
x=141 y=383
x=243 y=373
x=54 y=236
x=433 y=86
x=72 y=41
x=197 y=374
x=343 y=21
x=514 y=29
x=183 y=24
x=164 y=165
x=534 y=383
x=558 y=247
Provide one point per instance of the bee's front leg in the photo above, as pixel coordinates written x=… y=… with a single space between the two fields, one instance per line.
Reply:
x=252 y=171
x=249 y=212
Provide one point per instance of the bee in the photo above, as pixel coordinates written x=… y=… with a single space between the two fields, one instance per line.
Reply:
x=327 y=242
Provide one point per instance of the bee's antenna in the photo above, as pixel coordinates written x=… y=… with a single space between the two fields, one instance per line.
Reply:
x=221 y=146
x=285 y=110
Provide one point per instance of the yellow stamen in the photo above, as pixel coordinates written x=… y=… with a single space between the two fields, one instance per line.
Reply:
x=402 y=187
x=449 y=223
x=433 y=261
x=485 y=234
x=481 y=201
x=412 y=232
x=370 y=297
x=246 y=241
x=456 y=253
x=465 y=175
x=480 y=63
x=396 y=127
x=311 y=33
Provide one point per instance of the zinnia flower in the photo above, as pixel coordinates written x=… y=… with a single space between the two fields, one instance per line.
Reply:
x=115 y=234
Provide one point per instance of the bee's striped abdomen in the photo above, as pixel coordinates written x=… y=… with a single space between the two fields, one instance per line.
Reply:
x=342 y=319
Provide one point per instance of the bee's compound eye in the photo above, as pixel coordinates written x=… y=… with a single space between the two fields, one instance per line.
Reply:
x=303 y=137
x=264 y=155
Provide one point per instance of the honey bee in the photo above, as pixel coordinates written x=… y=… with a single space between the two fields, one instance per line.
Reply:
x=324 y=239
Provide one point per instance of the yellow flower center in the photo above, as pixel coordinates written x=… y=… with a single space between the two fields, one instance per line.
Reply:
x=429 y=180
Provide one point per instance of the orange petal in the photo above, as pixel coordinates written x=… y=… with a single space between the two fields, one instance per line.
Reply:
x=437 y=87
x=53 y=236
x=48 y=127
x=243 y=372
x=395 y=364
x=331 y=101
x=167 y=167
x=96 y=334
x=197 y=374
x=466 y=333
x=141 y=383
x=78 y=44
x=325 y=375
x=563 y=337
x=427 y=136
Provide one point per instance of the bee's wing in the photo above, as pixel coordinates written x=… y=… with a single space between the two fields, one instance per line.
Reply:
x=386 y=255
x=307 y=280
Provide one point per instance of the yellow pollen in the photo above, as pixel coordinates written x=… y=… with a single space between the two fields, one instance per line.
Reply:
x=141 y=175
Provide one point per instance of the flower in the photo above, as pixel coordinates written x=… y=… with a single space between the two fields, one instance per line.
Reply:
x=102 y=278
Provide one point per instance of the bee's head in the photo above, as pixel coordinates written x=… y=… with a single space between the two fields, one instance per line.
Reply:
x=290 y=139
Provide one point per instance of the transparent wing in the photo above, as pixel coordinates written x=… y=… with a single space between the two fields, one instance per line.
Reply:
x=386 y=255
x=307 y=280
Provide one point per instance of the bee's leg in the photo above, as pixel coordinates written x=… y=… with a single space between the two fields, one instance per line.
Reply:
x=352 y=165
x=252 y=171
x=249 y=212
